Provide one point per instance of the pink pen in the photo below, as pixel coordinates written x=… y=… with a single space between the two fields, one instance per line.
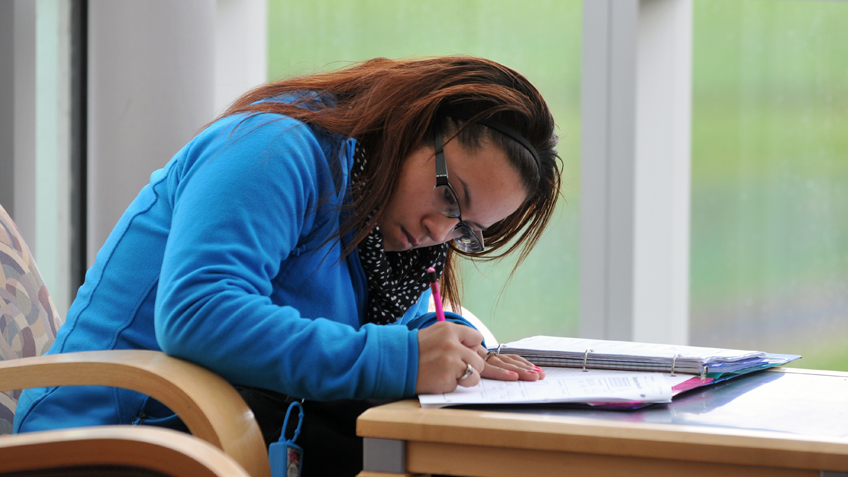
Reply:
x=437 y=298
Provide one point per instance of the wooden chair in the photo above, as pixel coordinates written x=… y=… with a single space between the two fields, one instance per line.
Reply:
x=209 y=406
x=114 y=451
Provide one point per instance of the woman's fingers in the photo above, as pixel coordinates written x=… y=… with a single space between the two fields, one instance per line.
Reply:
x=503 y=368
x=444 y=352
x=510 y=367
x=517 y=363
x=451 y=355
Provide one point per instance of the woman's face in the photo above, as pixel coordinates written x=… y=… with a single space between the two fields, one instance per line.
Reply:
x=487 y=186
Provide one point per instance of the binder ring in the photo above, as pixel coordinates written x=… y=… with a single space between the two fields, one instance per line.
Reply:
x=673 y=362
x=585 y=358
x=499 y=349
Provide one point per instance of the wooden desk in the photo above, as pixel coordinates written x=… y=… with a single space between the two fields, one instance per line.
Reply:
x=780 y=422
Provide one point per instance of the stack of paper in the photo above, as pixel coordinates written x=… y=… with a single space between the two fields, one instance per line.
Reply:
x=563 y=385
x=626 y=355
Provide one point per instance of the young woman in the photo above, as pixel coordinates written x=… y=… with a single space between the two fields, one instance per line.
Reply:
x=286 y=247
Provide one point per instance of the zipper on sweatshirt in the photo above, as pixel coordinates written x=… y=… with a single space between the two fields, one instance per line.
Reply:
x=140 y=419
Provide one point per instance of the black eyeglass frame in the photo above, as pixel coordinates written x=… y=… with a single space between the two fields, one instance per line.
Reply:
x=465 y=237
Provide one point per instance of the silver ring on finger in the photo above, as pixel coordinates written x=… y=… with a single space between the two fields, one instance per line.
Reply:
x=468 y=372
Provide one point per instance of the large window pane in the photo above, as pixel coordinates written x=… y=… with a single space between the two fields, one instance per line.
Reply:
x=539 y=38
x=770 y=178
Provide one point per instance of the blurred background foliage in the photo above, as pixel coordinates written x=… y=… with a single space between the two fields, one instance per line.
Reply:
x=769 y=253
x=769 y=257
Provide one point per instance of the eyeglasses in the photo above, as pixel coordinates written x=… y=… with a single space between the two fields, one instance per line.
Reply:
x=466 y=237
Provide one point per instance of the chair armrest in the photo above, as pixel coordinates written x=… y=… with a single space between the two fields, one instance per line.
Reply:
x=210 y=407
x=163 y=450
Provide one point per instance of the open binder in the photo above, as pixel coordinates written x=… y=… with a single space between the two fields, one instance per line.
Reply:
x=633 y=356
x=618 y=375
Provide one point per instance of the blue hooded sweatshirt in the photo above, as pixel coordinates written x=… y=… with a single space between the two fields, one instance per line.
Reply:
x=228 y=258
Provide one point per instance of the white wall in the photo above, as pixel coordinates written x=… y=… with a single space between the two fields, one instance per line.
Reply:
x=158 y=72
x=241 y=49
x=52 y=149
x=150 y=88
x=17 y=114
x=635 y=170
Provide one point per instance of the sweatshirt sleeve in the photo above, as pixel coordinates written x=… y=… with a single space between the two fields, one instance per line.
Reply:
x=241 y=199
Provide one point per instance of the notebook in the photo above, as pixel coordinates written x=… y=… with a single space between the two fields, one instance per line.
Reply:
x=633 y=356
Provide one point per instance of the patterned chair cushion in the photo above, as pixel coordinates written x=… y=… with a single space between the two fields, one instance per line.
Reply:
x=28 y=318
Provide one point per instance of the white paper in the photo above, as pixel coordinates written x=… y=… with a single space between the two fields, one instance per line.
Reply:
x=562 y=385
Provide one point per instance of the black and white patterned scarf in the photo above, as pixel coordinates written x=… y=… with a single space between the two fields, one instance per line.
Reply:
x=395 y=279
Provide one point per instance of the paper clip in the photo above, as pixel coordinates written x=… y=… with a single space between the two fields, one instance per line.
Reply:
x=673 y=362
x=585 y=358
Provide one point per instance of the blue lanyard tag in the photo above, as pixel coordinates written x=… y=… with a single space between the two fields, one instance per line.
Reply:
x=287 y=457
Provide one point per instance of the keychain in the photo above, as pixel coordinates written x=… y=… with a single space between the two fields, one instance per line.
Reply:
x=287 y=457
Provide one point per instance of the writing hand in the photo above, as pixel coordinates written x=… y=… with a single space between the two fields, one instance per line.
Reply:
x=509 y=367
x=444 y=351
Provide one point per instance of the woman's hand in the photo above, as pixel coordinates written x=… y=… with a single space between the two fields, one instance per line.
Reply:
x=444 y=351
x=508 y=367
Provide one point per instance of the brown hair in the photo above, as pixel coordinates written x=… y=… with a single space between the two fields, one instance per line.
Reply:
x=392 y=107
